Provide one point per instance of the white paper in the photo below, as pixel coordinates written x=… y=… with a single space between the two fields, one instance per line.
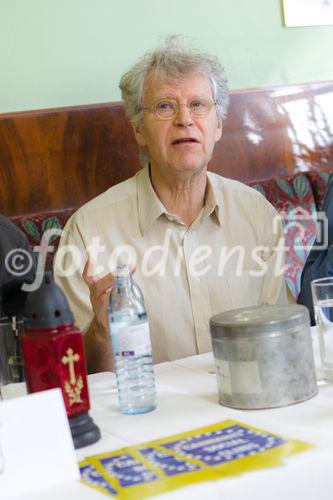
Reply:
x=36 y=444
x=308 y=12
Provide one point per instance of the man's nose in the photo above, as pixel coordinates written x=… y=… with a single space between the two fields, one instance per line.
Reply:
x=183 y=115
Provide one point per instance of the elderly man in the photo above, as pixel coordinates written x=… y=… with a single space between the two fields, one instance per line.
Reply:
x=201 y=243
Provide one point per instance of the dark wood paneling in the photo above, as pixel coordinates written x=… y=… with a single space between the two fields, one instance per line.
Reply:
x=57 y=158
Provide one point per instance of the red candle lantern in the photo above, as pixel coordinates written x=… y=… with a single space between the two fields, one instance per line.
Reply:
x=53 y=356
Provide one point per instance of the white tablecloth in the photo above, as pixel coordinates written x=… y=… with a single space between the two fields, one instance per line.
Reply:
x=187 y=399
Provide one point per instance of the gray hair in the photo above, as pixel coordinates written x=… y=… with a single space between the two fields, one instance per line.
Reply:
x=173 y=60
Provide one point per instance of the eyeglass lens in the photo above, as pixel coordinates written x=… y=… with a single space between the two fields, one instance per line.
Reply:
x=168 y=108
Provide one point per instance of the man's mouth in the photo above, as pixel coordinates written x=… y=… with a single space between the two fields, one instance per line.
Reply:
x=185 y=140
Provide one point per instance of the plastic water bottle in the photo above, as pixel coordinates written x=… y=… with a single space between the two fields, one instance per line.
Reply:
x=131 y=345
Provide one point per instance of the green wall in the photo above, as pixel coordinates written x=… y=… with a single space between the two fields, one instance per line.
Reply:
x=67 y=52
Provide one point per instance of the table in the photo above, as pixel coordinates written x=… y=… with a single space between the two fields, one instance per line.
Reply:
x=187 y=399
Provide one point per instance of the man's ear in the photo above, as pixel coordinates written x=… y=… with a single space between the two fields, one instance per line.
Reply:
x=219 y=129
x=138 y=134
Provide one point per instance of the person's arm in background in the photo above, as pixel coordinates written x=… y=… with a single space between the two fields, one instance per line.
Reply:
x=12 y=241
x=319 y=263
x=17 y=266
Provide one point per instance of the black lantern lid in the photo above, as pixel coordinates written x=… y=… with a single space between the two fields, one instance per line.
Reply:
x=47 y=306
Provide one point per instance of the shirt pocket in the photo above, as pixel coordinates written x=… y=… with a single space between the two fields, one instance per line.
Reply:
x=245 y=287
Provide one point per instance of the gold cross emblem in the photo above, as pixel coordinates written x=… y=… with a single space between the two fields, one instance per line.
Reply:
x=69 y=360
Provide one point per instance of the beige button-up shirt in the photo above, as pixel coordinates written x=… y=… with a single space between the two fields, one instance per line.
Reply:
x=186 y=274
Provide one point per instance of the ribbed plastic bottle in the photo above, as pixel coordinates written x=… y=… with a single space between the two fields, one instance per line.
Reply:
x=131 y=345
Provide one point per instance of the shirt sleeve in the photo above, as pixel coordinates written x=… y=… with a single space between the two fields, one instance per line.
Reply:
x=319 y=263
x=68 y=267
x=274 y=288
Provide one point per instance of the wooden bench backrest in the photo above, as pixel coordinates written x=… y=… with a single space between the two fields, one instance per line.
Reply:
x=59 y=158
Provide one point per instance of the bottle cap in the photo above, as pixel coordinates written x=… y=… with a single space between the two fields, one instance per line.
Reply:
x=123 y=271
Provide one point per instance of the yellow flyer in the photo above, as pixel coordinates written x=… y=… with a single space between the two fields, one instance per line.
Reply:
x=221 y=450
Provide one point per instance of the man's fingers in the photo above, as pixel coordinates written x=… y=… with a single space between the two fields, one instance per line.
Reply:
x=89 y=271
x=103 y=285
x=99 y=286
x=133 y=268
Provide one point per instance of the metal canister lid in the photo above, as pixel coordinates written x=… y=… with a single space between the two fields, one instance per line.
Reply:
x=258 y=320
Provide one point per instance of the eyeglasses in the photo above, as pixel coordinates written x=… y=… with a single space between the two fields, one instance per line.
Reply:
x=165 y=109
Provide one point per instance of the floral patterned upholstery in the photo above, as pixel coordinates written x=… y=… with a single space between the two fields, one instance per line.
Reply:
x=35 y=225
x=294 y=200
x=318 y=181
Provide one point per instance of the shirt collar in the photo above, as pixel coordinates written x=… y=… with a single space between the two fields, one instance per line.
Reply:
x=212 y=205
x=150 y=207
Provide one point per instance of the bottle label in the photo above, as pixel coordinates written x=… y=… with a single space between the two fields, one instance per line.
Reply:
x=135 y=340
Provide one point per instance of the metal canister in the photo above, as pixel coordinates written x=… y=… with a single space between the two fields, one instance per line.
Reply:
x=263 y=356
